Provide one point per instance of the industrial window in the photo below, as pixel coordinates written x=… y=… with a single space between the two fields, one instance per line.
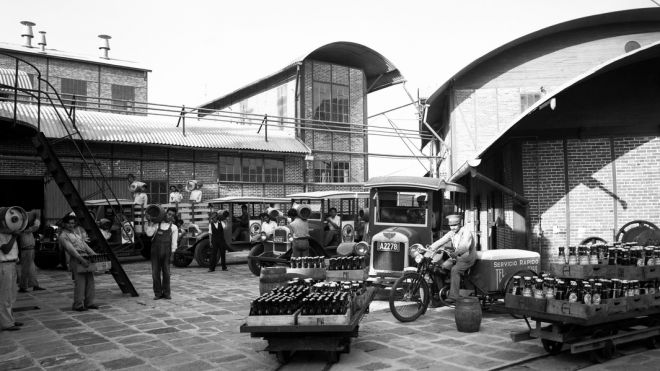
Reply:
x=340 y=172
x=527 y=100
x=326 y=171
x=253 y=169
x=74 y=92
x=123 y=98
x=157 y=191
x=230 y=169
x=330 y=94
x=273 y=171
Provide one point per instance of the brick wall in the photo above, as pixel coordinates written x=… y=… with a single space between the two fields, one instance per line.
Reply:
x=594 y=187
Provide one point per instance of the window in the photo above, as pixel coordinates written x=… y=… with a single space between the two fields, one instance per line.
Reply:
x=253 y=169
x=330 y=94
x=322 y=171
x=230 y=169
x=157 y=191
x=123 y=98
x=273 y=171
x=527 y=100
x=340 y=173
x=74 y=92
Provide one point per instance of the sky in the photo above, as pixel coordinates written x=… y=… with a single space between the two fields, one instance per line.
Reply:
x=201 y=50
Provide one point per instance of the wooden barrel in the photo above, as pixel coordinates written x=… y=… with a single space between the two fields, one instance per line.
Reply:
x=12 y=219
x=468 y=314
x=156 y=213
x=271 y=277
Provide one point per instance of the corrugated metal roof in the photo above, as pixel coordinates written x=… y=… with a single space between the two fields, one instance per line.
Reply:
x=66 y=55
x=134 y=129
x=8 y=77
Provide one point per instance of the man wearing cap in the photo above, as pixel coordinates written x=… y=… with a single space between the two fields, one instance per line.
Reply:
x=464 y=254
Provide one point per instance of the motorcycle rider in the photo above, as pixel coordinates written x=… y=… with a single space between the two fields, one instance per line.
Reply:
x=462 y=258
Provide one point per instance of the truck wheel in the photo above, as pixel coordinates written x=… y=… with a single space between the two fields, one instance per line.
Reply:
x=203 y=253
x=253 y=264
x=181 y=260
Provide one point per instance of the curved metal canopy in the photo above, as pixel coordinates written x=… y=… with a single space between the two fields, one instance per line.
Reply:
x=431 y=184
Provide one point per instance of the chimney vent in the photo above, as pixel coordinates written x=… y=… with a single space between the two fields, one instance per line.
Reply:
x=105 y=45
x=28 y=32
x=43 y=41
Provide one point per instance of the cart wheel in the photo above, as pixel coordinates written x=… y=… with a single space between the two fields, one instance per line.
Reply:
x=551 y=346
x=283 y=356
x=333 y=357
x=653 y=342
x=604 y=354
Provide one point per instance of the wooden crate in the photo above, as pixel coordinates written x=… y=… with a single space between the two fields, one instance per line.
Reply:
x=636 y=303
x=628 y=272
x=651 y=272
x=325 y=319
x=281 y=320
x=525 y=303
x=616 y=305
x=347 y=275
x=577 y=310
x=314 y=273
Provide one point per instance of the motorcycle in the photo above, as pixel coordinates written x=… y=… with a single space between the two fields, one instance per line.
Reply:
x=488 y=279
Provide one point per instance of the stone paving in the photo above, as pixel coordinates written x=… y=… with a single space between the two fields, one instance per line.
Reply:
x=199 y=330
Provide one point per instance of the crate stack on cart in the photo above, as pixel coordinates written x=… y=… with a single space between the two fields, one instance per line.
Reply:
x=318 y=308
x=590 y=293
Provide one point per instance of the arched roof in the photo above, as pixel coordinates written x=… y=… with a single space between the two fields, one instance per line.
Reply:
x=438 y=100
x=379 y=71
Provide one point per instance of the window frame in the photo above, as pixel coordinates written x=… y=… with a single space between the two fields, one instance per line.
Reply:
x=333 y=108
x=77 y=86
x=157 y=191
x=122 y=103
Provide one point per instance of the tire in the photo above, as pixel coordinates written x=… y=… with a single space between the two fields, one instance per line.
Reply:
x=253 y=264
x=409 y=297
x=181 y=260
x=203 y=253
x=551 y=346
x=443 y=295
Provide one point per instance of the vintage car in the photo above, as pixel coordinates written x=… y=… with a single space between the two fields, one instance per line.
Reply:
x=404 y=211
x=348 y=205
x=123 y=238
x=237 y=239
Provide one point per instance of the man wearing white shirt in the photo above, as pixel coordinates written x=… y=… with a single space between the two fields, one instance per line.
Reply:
x=217 y=225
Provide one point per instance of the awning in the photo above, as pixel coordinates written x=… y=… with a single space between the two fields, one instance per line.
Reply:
x=472 y=170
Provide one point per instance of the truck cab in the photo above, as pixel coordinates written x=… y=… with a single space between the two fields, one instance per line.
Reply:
x=404 y=211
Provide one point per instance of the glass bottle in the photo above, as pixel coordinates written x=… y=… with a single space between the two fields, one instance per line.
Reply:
x=639 y=256
x=562 y=255
x=560 y=289
x=611 y=255
x=593 y=254
x=538 y=288
x=572 y=257
x=572 y=292
x=649 y=255
x=586 y=294
x=527 y=286
x=656 y=255
x=583 y=255
x=597 y=295
x=516 y=287
x=549 y=287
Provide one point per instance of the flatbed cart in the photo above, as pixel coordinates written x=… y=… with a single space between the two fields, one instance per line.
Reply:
x=599 y=336
x=284 y=340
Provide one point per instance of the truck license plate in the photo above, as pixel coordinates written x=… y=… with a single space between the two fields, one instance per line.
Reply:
x=388 y=246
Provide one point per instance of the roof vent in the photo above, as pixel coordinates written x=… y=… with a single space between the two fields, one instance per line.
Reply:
x=105 y=45
x=28 y=32
x=43 y=41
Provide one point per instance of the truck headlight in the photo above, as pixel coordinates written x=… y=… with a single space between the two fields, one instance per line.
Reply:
x=361 y=248
x=290 y=237
x=263 y=236
x=418 y=258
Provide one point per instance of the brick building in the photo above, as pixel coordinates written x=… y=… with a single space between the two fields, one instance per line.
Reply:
x=229 y=155
x=555 y=134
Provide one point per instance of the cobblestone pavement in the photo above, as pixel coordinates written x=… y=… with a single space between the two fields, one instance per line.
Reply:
x=199 y=330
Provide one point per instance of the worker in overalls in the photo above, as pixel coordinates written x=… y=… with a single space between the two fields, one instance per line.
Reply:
x=165 y=238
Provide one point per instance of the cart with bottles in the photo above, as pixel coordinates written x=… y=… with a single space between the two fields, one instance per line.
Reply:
x=623 y=306
x=300 y=331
